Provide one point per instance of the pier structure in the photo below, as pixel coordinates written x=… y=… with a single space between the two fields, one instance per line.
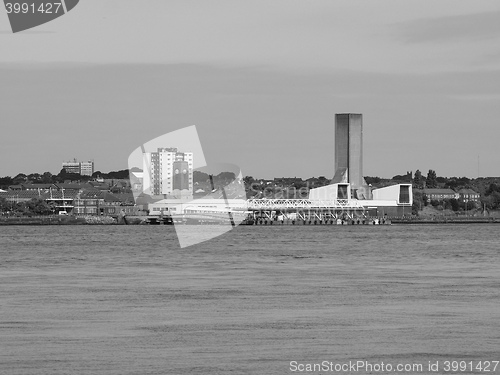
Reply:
x=306 y=211
x=261 y=211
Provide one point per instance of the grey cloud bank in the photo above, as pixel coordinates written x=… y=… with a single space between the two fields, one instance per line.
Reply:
x=270 y=122
x=469 y=27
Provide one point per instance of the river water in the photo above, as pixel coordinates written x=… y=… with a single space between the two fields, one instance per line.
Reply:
x=258 y=300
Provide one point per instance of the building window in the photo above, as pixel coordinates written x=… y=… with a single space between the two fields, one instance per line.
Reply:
x=404 y=194
x=342 y=192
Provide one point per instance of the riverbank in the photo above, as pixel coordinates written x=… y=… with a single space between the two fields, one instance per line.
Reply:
x=107 y=220
x=472 y=220
x=58 y=220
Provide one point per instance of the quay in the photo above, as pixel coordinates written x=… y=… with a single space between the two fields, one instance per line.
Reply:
x=268 y=212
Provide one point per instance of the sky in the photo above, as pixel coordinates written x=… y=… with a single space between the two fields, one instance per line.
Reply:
x=261 y=80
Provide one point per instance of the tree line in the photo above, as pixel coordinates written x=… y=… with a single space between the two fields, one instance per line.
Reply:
x=62 y=176
x=35 y=206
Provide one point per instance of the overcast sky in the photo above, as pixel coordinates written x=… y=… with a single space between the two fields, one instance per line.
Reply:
x=261 y=80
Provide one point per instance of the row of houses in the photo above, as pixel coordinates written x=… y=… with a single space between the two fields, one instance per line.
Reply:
x=113 y=185
x=47 y=187
x=77 y=199
x=463 y=195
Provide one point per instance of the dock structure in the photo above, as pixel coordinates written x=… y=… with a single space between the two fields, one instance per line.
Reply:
x=310 y=210
x=260 y=211
x=305 y=211
x=303 y=204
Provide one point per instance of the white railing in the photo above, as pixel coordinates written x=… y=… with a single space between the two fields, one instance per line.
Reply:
x=297 y=204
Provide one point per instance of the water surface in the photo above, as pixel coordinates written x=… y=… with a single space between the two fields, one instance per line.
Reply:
x=128 y=300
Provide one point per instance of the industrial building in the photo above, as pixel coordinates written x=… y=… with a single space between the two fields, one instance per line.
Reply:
x=349 y=149
x=348 y=182
x=347 y=197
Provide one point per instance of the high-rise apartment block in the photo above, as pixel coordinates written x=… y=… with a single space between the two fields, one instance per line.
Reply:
x=168 y=172
x=87 y=168
x=81 y=168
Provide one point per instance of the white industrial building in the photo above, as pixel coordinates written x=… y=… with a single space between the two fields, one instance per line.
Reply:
x=348 y=194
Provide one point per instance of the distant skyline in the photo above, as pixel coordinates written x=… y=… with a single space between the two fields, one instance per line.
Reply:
x=261 y=80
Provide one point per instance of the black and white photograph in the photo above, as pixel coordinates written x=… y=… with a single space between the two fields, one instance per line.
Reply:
x=249 y=187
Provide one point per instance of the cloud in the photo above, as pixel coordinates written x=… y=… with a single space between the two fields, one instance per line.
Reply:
x=268 y=121
x=473 y=27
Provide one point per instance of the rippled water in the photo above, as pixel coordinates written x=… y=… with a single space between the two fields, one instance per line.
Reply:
x=128 y=300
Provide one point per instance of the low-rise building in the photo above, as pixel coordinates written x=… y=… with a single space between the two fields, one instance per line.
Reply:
x=19 y=196
x=440 y=194
x=469 y=195
x=104 y=203
x=38 y=187
x=62 y=201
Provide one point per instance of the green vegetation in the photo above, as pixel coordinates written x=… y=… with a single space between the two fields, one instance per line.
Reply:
x=62 y=176
x=35 y=206
x=487 y=187
x=431 y=180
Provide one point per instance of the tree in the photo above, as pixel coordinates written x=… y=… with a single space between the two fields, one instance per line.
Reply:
x=47 y=178
x=19 y=179
x=39 y=207
x=492 y=189
x=494 y=200
x=5 y=182
x=372 y=180
x=418 y=202
x=64 y=176
x=418 y=182
x=4 y=206
x=425 y=198
x=19 y=207
x=122 y=174
x=200 y=176
x=442 y=180
x=226 y=176
x=454 y=204
x=248 y=182
x=403 y=178
x=34 y=177
x=431 y=181
x=53 y=207
x=471 y=205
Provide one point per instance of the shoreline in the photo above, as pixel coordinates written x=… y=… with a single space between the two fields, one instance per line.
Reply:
x=447 y=221
x=108 y=220
x=59 y=220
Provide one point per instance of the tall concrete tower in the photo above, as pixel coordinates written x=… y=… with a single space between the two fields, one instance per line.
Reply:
x=349 y=150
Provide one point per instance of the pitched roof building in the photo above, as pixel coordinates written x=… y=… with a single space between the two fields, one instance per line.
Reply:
x=467 y=195
x=440 y=194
